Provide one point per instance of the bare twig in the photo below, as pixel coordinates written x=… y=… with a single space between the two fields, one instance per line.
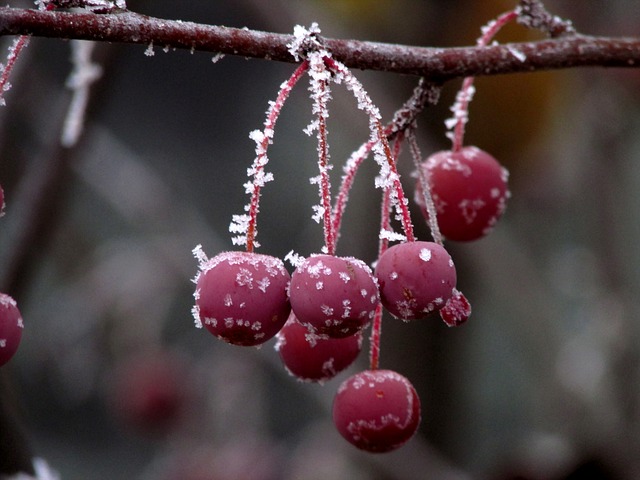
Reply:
x=432 y=63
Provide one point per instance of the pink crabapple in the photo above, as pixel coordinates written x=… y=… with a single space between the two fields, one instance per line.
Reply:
x=315 y=358
x=241 y=297
x=469 y=190
x=415 y=279
x=11 y=327
x=334 y=296
x=376 y=410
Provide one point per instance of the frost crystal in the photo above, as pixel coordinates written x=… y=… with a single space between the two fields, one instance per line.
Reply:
x=294 y=259
x=303 y=40
x=391 y=236
x=149 y=51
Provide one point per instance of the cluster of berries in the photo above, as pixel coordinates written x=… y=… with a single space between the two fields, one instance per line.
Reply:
x=318 y=313
x=11 y=325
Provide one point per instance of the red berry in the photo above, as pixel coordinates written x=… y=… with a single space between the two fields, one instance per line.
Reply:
x=11 y=327
x=314 y=358
x=376 y=410
x=457 y=310
x=148 y=391
x=241 y=297
x=469 y=190
x=415 y=278
x=334 y=296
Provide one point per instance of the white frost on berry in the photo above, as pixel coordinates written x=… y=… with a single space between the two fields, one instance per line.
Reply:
x=425 y=254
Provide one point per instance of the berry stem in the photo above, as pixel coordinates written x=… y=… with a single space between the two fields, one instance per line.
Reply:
x=389 y=177
x=385 y=225
x=319 y=85
x=426 y=188
x=404 y=118
x=376 y=333
x=5 y=70
x=460 y=107
x=262 y=142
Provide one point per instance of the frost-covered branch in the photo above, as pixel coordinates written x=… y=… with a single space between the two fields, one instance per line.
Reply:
x=439 y=64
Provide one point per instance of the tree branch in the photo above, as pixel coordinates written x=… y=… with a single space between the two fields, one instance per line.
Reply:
x=437 y=64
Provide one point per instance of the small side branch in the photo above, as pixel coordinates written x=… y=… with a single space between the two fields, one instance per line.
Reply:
x=437 y=64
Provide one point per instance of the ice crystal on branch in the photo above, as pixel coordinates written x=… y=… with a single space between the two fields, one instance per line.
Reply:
x=97 y=6
x=304 y=41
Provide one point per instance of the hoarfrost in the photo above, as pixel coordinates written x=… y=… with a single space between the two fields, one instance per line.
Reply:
x=195 y=311
x=217 y=57
x=294 y=259
x=516 y=53
x=149 y=51
x=425 y=254
x=391 y=236
x=344 y=276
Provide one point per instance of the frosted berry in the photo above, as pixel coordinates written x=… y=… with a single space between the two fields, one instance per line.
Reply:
x=241 y=297
x=457 y=310
x=469 y=190
x=334 y=296
x=11 y=327
x=415 y=279
x=314 y=358
x=1 y=201
x=376 y=410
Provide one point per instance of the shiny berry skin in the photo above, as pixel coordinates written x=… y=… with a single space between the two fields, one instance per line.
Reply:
x=415 y=279
x=469 y=190
x=376 y=410
x=314 y=358
x=11 y=327
x=241 y=297
x=334 y=296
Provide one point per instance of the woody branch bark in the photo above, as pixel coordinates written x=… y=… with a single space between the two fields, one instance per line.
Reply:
x=436 y=64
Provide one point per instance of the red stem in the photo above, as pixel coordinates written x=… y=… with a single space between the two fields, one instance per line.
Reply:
x=261 y=159
x=461 y=105
x=14 y=52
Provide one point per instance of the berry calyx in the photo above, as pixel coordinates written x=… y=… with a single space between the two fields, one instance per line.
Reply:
x=469 y=189
x=415 y=279
x=314 y=358
x=11 y=327
x=241 y=297
x=376 y=410
x=334 y=296
x=457 y=310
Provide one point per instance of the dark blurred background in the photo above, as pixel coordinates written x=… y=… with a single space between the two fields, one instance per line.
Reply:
x=540 y=384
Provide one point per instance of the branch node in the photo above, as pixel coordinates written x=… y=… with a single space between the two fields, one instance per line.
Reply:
x=305 y=41
x=533 y=14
